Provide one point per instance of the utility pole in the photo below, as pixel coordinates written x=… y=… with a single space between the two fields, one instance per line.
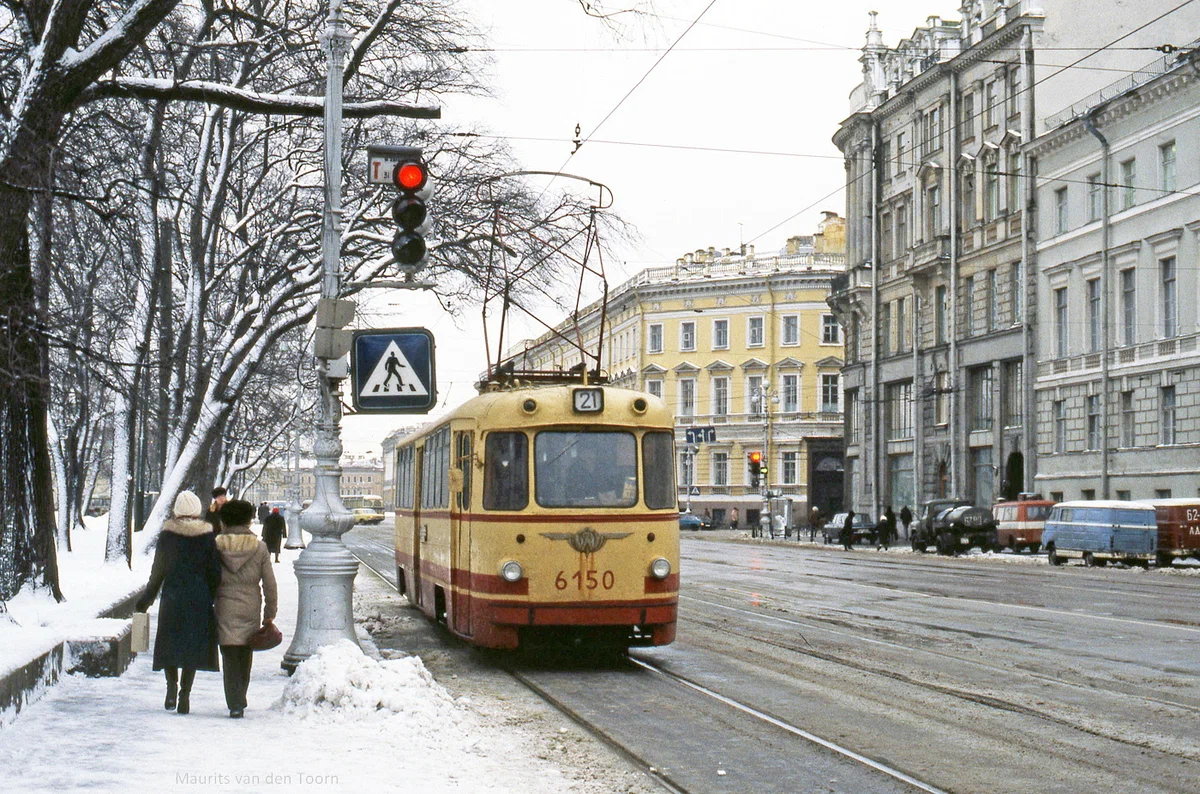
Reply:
x=326 y=569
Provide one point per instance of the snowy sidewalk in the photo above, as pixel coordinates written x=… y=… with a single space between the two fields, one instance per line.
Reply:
x=391 y=728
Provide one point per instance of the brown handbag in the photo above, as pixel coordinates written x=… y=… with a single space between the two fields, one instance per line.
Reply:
x=266 y=637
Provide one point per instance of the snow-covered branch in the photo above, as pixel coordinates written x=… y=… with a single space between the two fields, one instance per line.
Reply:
x=248 y=101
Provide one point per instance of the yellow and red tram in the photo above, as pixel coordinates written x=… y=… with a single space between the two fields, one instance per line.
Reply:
x=543 y=512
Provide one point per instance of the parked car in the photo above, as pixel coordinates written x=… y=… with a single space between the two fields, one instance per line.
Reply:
x=365 y=515
x=693 y=522
x=1019 y=524
x=1099 y=531
x=924 y=531
x=961 y=528
x=862 y=527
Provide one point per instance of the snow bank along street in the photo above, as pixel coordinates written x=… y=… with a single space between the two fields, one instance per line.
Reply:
x=345 y=721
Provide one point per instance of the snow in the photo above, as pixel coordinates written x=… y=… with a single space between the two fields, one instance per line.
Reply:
x=344 y=721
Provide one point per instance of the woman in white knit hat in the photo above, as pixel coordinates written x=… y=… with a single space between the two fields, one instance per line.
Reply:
x=188 y=570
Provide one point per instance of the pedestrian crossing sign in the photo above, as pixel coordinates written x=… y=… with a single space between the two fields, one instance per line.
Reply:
x=392 y=371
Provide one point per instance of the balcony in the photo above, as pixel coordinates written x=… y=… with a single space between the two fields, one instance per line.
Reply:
x=927 y=256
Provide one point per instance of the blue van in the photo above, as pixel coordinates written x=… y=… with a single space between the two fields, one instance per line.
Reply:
x=1099 y=531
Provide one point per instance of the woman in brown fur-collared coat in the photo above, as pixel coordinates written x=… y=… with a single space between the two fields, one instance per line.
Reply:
x=247 y=579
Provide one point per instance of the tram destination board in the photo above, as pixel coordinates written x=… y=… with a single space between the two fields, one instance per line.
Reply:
x=392 y=371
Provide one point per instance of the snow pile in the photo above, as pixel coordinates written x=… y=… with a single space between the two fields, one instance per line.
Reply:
x=339 y=683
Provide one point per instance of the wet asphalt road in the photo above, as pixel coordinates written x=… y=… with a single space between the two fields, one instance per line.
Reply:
x=971 y=675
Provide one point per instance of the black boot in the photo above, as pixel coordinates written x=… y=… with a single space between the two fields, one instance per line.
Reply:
x=172 y=690
x=185 y=691
x=185 y=704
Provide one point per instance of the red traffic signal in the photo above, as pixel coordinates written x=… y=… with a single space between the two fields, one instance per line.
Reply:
x=410 y=176
x=755 y=460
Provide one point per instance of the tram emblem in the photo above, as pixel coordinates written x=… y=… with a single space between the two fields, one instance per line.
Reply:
x=586 y=540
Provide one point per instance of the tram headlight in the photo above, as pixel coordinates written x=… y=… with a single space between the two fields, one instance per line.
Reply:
x=660 y=568
x=511 y=571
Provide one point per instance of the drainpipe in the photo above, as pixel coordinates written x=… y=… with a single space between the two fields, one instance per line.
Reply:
x=1028 y=252
x=919 y=406
x=876 y=401
x=1089 y=121
x=952 y=365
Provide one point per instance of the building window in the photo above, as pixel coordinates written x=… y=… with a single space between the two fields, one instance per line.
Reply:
x=1060 y=322
x=1016 y=287
x=993 y=298
x=754 y=394
x=754 y=332
x=901 y=326
x=1013 y=180
x=901 y=230
x=1060 y=210
x=829 y=394
x=886 y=243
x=885 y=160
x=900 y=480
x=968 y=305
x=1170 y=308
x=1128 y=307
x=852 y=423
x=1128 y=420
x=982 y=476
x=1014 y=394
x=720 y=396
x=1166 y=166
x=900 y=164
x=933 y=212
x=1167 y=419
x=720 y=334
x=942 y=313
x=830 y=331
x=655 y=387
x=687 y=336
x=654 y=344
x=990 y=109
x=719 y=465
x=791 y=468
x=941 y=401
x=1123 y=496
x=791 y=330
x=791 y=393
x=966 y=121
x=1087 y=494
x=1060 y=426
x=687 y=397
x=1093 y=421
x=885 y=329
x=991 y=190
x=899 y=411
x=980 y=384
x=1095 y=197
x=933 y=129
x=1013 y=75
x=968 y=201
x=1128 y=183
x=1093 y=315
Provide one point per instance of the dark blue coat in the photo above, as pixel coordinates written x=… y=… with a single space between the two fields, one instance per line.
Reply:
x=187 y=568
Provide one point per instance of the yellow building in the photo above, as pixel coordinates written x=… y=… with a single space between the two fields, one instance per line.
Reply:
x=740 y=342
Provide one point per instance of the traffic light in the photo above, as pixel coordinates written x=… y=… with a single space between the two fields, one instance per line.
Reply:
x=410 y=175
x=756 y=467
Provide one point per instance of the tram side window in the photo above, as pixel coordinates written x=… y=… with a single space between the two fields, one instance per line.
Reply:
x=506 y=472
x=435 y=480
x=658 y=466
x=404 y=477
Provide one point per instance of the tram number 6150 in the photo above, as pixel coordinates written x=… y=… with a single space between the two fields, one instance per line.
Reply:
x=586 y=580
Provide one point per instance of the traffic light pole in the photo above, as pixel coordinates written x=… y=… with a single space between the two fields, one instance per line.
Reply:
x=326 y=569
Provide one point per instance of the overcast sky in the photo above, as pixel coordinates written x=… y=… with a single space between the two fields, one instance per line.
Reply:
x=770 y=78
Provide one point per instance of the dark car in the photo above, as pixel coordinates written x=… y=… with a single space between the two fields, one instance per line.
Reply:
x=693 y=522
x=862 y=527
x=924 y=531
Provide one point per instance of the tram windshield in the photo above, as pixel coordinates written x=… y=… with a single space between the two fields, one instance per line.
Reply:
x=585 y=469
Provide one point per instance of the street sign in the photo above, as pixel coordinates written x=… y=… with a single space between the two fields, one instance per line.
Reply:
x=694 y=490
x=701 y=435
x=393 y=371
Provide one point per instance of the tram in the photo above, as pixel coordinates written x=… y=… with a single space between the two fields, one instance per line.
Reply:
x=543 y=512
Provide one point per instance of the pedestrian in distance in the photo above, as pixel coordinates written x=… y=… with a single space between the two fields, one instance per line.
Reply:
x=188 y=571
x=906 y=518
x=814 y=523
x=848 y=531
x=273 y=530
x=219 y=497
x=246 y=599
x=264 y=510
x=887 y=529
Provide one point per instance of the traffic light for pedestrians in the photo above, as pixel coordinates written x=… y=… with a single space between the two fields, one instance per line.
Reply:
x=410 y=175
x=756 y=467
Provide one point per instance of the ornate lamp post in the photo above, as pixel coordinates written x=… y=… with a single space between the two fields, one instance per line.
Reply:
x=326 y=568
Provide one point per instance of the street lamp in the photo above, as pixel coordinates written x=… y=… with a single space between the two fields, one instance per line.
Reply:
x=326 y=569
x=765 y=396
